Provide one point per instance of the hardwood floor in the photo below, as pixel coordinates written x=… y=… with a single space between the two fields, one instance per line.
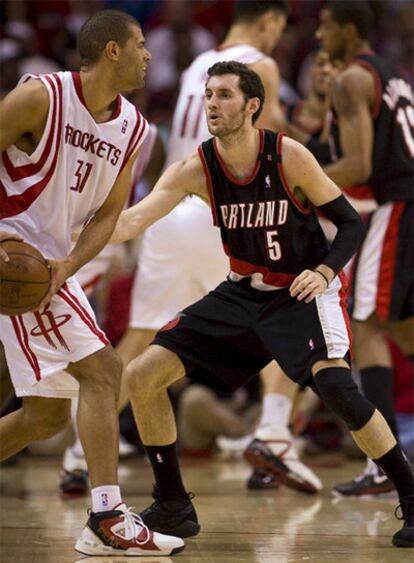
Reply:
x=238 y=525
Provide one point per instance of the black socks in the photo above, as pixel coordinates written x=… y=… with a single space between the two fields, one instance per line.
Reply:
x=164 y=461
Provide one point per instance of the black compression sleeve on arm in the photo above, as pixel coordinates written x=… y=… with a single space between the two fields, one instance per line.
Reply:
x=351 y=232
x=321 y=151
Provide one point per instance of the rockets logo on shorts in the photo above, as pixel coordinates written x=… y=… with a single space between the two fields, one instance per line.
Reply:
x=48 y=327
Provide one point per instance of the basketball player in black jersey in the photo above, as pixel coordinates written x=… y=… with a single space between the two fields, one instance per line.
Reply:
x=375 y=119
x=282 y=298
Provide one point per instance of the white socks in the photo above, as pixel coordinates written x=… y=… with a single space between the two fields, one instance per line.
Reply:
x=276 y=410
x=105 y=498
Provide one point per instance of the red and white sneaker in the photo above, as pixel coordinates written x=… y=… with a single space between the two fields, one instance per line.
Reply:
x=122 y=532
x=273 y=451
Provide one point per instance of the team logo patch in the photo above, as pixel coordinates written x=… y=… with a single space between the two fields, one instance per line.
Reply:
x=171 y=324
x=124 y=126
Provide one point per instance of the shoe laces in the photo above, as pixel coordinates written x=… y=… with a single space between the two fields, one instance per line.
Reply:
x=405 y=510
x=134 y=525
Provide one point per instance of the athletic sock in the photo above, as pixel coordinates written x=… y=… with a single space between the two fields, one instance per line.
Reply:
x=276 y=409
x=377 y=387
x=106 y=497
x=164 y=461
x=396 y=467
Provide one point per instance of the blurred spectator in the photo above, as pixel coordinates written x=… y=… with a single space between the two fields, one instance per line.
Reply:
x=173 y=46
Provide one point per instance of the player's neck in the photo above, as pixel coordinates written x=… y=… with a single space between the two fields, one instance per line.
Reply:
x=99 y=94
x=243 y=34
x=355 y=48
x=239 y=151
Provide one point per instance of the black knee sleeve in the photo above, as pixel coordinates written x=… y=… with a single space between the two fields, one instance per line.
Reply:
x=339 y=392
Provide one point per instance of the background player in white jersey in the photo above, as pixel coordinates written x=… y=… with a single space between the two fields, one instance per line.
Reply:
x=175 y=271
x=69 y=141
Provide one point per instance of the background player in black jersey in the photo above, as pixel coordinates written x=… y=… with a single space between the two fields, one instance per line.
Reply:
x=281 y=299
x=375 y=117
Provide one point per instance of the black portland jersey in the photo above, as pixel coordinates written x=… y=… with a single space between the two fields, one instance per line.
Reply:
x=393 y=113
x=264 y=229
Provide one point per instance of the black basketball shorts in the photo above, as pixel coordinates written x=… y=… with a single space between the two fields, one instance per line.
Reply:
x=235 y=331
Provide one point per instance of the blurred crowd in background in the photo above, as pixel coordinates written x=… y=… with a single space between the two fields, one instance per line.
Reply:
x=39 y=36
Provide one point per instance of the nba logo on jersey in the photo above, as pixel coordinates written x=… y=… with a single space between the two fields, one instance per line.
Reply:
x=311 y=344
x=104 y=498
x=124 y=126
x=268 y=183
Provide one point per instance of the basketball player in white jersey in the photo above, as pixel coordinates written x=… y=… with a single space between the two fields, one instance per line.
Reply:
x=176 y=271
x=68 y=142
x=146 y=170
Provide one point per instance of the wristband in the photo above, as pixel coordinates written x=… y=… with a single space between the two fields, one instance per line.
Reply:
x=324 y=277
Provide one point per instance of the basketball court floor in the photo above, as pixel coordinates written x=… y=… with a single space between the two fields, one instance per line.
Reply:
x=238 y=525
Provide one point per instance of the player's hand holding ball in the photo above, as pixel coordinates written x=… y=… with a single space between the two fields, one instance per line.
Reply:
x=61 y=270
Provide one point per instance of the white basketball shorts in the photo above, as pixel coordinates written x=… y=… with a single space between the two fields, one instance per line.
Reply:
x=42 y=343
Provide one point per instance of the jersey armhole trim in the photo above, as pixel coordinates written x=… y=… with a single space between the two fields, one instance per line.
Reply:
x=209 y=184
x=378 y=84
x=299 y=206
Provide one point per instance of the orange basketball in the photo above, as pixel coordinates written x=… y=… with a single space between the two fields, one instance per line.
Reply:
x=24 y=280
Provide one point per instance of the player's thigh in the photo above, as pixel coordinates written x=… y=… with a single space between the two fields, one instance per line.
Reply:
x=157 y=368
x=133 y=343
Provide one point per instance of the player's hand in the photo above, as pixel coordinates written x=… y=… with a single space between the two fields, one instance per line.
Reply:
x=308 y=285
x=3 y=237
x=60 y=272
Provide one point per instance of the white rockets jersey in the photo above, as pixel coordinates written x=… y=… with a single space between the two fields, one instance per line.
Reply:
x=189 y=128
x=47 y=195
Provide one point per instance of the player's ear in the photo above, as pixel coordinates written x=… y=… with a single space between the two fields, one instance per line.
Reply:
x=253 y=105
x=112 y=50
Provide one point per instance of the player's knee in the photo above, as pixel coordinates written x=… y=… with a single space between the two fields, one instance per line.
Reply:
x=107 y=378
x=339 y=392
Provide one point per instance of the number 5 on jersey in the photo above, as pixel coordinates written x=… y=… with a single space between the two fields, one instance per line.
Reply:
x=273 y=246
x=82 y=174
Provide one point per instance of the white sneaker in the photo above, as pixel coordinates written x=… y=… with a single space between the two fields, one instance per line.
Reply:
x=233 y=448
x=122 y=532
x=272 y=450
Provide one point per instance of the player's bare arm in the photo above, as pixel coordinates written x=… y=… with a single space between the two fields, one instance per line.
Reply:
x=308 y=181
x=353 y=98
x=181 y=179
x=95 y=234
x=23 y=115
x=272 y=116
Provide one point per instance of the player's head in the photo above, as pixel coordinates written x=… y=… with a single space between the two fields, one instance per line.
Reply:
x=322 y=72
x=268 y=16
x=234 y=97
x=115 y=38
x=344 y=22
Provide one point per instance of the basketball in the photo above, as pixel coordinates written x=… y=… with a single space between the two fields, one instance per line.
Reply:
x=24 y=280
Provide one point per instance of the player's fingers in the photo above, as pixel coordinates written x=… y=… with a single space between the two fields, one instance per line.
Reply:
x=299 y=284
x=3 y=255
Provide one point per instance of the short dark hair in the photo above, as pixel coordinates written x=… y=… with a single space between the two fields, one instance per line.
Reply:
x=251 y=9
x=357 y=12
x=250 y=82
x=104 y=26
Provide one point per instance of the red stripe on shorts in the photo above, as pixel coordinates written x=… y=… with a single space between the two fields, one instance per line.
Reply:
x=24 y=345
x=388 y=262
x=73 y=302
x=343 y=302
